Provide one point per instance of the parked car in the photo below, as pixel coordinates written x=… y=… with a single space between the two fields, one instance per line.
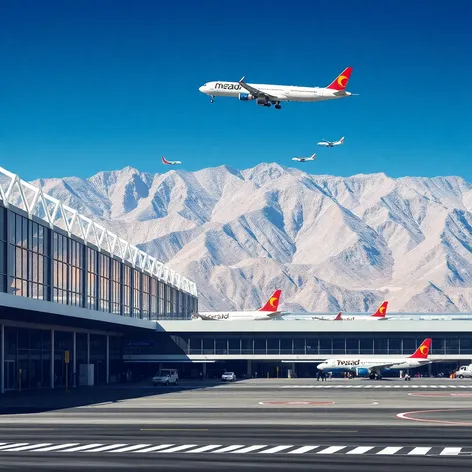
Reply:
x=228 y=377
x=166 y=377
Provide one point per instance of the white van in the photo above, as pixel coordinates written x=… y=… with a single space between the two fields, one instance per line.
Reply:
x=166 y=377
x=464 y=372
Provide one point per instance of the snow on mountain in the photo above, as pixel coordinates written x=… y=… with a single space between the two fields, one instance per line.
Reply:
x=330 y=243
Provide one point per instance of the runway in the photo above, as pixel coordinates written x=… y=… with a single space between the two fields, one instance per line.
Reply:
x=252 y=425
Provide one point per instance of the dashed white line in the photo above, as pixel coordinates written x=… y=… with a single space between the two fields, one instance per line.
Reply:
x=303 y=449
x=390 y=450
x=451 y=451
x=331 y=450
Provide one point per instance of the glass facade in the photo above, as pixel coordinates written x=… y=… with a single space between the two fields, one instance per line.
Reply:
x=319 y=344
x=36 y=358
x=43 y=263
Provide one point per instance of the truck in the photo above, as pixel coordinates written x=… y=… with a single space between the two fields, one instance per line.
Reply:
x=465 y=371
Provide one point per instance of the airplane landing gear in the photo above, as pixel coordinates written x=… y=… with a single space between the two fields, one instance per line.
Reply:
x=278 y=106
x=212 y=98
x=267 y=104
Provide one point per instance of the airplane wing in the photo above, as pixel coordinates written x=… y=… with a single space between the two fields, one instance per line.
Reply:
x=256 y=92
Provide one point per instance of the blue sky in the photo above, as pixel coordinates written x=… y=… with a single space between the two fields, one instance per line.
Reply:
x=89 y=86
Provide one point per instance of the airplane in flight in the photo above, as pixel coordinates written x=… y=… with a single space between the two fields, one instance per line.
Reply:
x=170 y=163
x=331 y=143
x=266 y=94
x=373 y=367
x=267 y=312
x=304 y=159
x=380 y=314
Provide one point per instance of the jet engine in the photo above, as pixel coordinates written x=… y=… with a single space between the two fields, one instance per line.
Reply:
x=263 y=101
x=245 y=96
x=362 y=371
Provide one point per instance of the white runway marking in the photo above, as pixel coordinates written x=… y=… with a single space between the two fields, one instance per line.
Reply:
x=376 y=386
x=373 y=450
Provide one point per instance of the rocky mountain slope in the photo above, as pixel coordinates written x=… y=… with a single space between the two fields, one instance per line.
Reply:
x=330 y=243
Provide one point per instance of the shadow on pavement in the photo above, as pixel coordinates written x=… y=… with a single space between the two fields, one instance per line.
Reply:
x=38 y=401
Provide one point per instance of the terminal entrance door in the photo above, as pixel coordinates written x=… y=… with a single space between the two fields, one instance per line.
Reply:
x=10 y=375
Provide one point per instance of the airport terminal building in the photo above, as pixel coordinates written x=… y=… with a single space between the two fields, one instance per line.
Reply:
x=81 y=306
x=72 y=292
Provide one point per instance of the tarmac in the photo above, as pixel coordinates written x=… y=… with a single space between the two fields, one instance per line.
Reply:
x=256 y=424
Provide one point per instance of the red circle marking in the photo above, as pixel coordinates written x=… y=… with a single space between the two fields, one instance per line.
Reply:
x=406 y=416
x=295 y=403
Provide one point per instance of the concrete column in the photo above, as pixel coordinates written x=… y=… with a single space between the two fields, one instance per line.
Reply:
x=204 y=370
x=74 y=360
x=108 y=360
x=293 y=369
x=52 y=358
x=249 y=368
x=2 y=359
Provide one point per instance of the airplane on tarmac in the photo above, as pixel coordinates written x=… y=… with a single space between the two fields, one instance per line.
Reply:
x=266 y=94
x=380 y=314
x=331 y=143
x=170 y=163
x=267 y=312
x=304 y=159
x=373 y=367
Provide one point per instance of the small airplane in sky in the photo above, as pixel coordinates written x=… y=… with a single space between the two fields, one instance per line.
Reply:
x=331 y=143
x=266 y=95
x=304 y=159
x=374 y=366
x=170 y=163
x=267 y=312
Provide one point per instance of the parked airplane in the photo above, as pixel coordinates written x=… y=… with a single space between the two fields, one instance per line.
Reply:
x=373 y=367
x=266 y=94
x=380 y=314
x=304 y=159
x=170 y=163
x=267 y=312
x=331 y=143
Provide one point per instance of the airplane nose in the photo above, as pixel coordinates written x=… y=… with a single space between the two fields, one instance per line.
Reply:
x=202 y=89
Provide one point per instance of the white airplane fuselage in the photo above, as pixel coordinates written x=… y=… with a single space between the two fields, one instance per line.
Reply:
x=400 y=363
x=284 y=93
x=236 y=315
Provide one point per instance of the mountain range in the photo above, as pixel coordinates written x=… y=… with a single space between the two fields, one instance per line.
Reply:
x=330 y=243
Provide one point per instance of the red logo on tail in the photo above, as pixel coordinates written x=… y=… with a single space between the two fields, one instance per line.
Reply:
x=382 y=311
x=423 y=351
x=340 y=82
x=273 y=302
x=164 y=160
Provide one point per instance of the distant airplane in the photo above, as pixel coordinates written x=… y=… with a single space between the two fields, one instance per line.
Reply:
x=266 y=95
x=331 y=143
x=373 y=367
x=170 y=163
x=380 y=314
x=267 y=312
x=304 y=159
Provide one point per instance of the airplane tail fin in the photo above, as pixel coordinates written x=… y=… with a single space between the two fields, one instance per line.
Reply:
x=164 y=160
x=381 y=311
x=341 y=140
x=338 y=317
x=423 y=351
x=313 y=157
x=340 y=82
x=273 y=302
